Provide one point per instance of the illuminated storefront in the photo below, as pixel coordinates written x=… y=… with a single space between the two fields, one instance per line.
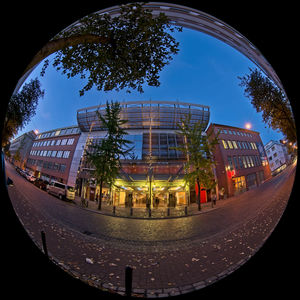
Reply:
x=154 y=177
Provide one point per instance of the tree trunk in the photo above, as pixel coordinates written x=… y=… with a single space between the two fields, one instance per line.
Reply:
x=58 y=44
x=100 y=195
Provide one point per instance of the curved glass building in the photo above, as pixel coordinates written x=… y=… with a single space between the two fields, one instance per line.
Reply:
x=154 y=175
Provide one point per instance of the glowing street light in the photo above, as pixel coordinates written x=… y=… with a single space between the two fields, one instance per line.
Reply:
x=248 y=125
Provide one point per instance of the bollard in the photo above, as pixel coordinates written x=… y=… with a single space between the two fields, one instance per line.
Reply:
x=114 y=209
x=168 y=211
x=128 y=281
x=44 y=243
x=185 y=210
x=131 y=211
x=149 y=212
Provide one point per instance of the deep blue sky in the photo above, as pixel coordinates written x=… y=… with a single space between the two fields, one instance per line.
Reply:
x=204 y=71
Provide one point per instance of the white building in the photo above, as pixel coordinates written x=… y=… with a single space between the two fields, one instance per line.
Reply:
x=277 y=156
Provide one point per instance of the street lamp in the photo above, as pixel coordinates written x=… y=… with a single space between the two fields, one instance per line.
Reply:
x=248 y=125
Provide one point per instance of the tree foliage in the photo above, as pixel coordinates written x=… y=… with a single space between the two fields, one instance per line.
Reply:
x=198 y=148
x=21 y=108
x=118 y=52
x=106 y=155
x=269 y=99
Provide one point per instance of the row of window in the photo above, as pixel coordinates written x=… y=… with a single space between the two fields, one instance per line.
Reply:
x=239 y=145
x=54 y=143
x=65 y=131
x=240 y=133
x=50 y=153
x=47 y=165
x=244 y=161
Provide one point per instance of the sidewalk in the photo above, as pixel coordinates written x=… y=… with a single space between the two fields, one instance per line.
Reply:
x=143 y=213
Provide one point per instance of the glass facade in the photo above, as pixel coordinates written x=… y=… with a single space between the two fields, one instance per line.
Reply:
x=152 y=176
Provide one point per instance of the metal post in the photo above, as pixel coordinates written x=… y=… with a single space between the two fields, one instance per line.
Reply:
x=168 y=211
x=128 y=281
x=149 y=212
x=114 y=209
x=185 y=210
x=44 y=243
x=131 y=211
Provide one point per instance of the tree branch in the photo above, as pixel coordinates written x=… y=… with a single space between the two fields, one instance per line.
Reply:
x=58 y=44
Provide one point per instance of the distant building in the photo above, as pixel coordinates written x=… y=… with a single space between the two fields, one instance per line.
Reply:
x=277 y=156
x=241 y=161
x=20 y=147
x=52 y=153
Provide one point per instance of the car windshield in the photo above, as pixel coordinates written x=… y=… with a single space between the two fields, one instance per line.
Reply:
x=70 y=189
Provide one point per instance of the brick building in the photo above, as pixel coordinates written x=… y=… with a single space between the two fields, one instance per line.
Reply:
x=241 y=161
x=52 y=153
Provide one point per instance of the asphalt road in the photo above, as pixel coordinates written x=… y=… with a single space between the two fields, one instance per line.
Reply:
x=201 y=226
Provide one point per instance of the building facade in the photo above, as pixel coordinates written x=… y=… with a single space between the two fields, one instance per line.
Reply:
x=154 y=177
x=241 y=162
x=52 y=152
x=277 y=156
x=20 y=149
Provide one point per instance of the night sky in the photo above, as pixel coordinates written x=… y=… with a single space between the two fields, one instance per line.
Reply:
x=205 y=71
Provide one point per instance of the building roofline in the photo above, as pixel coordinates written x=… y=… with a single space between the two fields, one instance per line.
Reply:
x=235 y=127
x=146 y=102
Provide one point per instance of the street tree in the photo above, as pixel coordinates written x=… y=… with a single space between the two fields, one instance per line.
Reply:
x=268 y=98
x=105 y=156
x=21 y=108
x=197 y=147
x=118 y=52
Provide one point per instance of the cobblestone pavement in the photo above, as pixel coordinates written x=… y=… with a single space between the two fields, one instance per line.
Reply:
x=160 y=268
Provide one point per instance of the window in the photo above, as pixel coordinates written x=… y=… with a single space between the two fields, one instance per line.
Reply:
x=230 y=144
x=275 y=154
x=241 y=162
x=224 y=144
x=62 y=168
x=53 y=153
x=229 y=131
x=52 y=142
x=48 y=143
x=49 y=153
x=239 y=144
x=234 y=145
x=59 y=153
x=66 y=154
x=230 y=162
x=235 y=162
x=248 y=161
x=233 y=132
x=70 y=142
x=64 y=141
x=244 y=162
x=58 y=142
x=251 y=161
x=57 y=132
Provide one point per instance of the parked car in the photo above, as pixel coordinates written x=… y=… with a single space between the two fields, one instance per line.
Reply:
x=61 y=190
x=30 y=177
x=23 y=173
x=40 y=183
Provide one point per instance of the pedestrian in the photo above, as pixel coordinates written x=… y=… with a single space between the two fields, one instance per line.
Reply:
x=214 y=198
